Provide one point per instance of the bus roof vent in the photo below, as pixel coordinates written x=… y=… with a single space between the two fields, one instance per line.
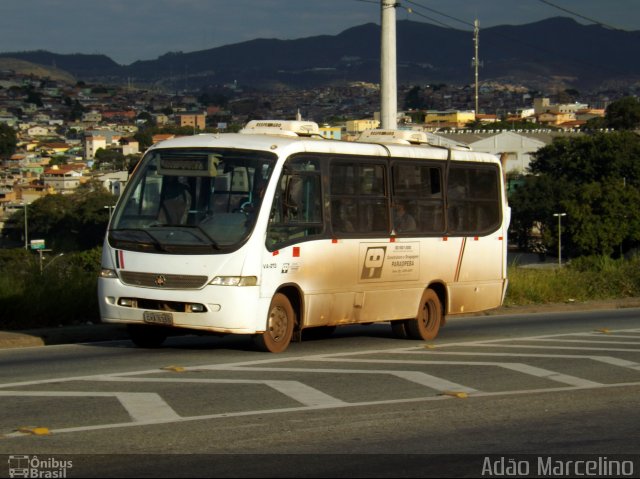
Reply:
x=398 y=137
x=281 y=128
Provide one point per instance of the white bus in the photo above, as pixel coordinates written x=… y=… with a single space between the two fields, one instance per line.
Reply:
x=274 y=230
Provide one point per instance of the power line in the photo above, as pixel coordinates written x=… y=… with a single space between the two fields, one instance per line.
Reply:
x=597 y=22
x=413 y=12
x=442 y=14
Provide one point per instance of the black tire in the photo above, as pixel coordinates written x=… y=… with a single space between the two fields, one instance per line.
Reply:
x=429 y=318
x=319 y=332
x=145 y=336
x=280 y=324
x=399 y=329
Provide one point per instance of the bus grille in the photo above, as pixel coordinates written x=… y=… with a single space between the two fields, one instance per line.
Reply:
x=163 y=281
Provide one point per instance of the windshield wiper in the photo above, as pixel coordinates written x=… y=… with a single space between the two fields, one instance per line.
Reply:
x=213 y=242
x=115 y=234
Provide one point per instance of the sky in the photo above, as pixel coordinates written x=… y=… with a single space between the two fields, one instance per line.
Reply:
x=130 y=30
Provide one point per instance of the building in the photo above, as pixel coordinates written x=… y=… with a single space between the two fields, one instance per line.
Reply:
x=195 y=120
x=63 y=178
x=331 y=132
x=355 y=127
x=518 y=148
x=454 y=118
x=114 y=182
x=92 y=143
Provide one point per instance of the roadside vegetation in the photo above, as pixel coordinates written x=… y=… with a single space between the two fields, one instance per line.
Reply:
x=593 y=178
x=584 y=279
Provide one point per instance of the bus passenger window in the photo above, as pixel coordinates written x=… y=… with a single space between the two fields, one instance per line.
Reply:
x=417 y=190
x=473 y=199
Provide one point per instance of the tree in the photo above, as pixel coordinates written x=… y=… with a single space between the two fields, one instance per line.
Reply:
x=58 y=160
x=413 y=99
x=596 y=181
x=623 y=114
x=144 y=137
x=604 y=218
x=8 y=140
x=72 y=222
x=111 y=157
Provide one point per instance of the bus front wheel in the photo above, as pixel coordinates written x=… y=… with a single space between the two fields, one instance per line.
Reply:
x=280 y=324
x=429 y=319
x=144 y=336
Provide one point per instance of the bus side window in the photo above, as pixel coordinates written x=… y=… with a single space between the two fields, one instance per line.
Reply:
x=473 y=199
x=359 y=201
x=417 y=192
x=296 y=212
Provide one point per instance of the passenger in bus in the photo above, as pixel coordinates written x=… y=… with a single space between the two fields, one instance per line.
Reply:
x=342 y=220
x=403 y=222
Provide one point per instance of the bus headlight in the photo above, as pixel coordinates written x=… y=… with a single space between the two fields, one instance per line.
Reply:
x=108 y=273
x=234 y=281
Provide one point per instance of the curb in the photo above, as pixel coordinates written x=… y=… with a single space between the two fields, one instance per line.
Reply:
x=89 y=333
x=62 y=335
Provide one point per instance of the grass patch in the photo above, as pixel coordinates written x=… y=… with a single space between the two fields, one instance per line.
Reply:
x=584 y=279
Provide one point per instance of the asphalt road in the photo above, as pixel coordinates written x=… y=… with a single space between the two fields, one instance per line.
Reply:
x=523 y=387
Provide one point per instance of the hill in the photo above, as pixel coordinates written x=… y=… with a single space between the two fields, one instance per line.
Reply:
x=33 y=69
x=540 y=54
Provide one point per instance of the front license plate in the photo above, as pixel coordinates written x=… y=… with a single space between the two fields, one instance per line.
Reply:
x=156 y=317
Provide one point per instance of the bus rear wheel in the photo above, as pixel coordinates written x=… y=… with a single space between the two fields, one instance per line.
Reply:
x=280 y=324
x=429 y=319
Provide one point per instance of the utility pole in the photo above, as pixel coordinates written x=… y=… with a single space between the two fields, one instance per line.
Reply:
x=559 y=215
x=476 y=61
x=388 y=77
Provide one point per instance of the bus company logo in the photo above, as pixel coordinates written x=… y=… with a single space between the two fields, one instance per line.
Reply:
x=373 y=262
x=33 y=466
x=161 y=280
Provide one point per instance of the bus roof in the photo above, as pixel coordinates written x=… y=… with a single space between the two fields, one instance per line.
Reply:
x=264 y=138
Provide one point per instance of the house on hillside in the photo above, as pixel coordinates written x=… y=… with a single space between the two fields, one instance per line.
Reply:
x=63 y=178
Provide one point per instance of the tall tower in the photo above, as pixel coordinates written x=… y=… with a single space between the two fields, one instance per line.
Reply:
x=476 y=61
x=388 y=78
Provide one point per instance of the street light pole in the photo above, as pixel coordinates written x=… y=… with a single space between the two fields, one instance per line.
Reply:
x=26 y=228
x=559 y=215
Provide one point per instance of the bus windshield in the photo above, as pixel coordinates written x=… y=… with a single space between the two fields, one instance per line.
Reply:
x=191 y=200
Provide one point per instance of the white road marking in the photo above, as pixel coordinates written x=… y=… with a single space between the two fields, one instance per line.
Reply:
x=149 y=408
x=602 y=359
x=142 y=407
x=433 y=382
x=556 y=340
x=305 y=394
x=296 y=390
x=260 y=412
x=519 y=367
